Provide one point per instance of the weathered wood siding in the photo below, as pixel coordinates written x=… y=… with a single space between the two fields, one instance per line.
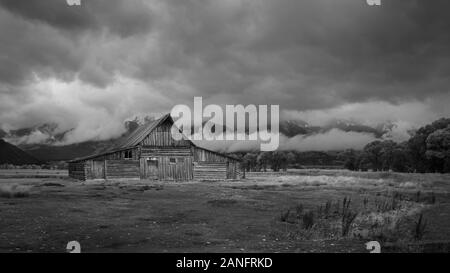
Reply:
x=210 y=170
x=207 y=170
x=78 y=170
x=205 y=155
x=147 y=151
x=232 y=170
x=161 y=146
x=162 y=137
x=122 y=169
x=119 y=155
x=179 y=171
x=96 y=169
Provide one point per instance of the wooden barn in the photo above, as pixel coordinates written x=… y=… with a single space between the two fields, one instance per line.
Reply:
x=151 y=153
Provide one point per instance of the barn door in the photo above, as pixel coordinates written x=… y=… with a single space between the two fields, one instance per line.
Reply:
x=152 y=168
x=98 y=170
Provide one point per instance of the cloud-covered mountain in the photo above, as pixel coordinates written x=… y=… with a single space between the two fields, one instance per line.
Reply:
x=46 y=142
x=49 y=146
x=46 y=133
x=291 y=128
x=50 y=133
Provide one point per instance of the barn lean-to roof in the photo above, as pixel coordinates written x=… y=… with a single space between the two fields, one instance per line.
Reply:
x=136 y=137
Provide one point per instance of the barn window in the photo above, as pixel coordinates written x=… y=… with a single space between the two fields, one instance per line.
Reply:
x=128 y=154
x=172 y=160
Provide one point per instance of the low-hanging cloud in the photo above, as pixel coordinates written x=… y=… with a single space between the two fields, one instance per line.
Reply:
x=332 y=140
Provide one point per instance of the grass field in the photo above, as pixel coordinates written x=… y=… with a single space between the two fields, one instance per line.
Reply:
x=296 y=211
x=31 y=173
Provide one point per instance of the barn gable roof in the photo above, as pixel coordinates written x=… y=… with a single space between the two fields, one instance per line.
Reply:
x=129 y=141
x=137 y=136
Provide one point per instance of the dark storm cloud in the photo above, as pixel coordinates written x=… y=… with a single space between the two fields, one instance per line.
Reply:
x=305 y=54
x=319 y=47
x=302 y=54
x=52 y=39
x=341 y=49
x=26 y=48
x=121 y=17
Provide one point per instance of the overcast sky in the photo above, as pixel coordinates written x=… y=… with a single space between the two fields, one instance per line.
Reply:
x=92 y=67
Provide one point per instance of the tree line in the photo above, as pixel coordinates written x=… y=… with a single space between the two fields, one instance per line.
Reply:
x=428 y=150
x=281 y=160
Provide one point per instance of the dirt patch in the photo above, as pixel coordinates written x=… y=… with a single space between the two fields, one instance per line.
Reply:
x=222 y=202
x=52 y=185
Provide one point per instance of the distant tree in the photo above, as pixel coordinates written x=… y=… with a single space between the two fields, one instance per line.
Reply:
x=385 y=156
x=373 y=153
x=278 y=161
x=428 y=150
x=438 y=149
x=417 y=147
x=400 y=158
x=388 y=149
x=350 y=159
x=363 y=163
x=290 y=159
x=249 y=162
x=263 y=160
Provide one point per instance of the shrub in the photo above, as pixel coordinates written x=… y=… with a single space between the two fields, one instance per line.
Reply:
x=365 y=203
x=394 y=203
x=347 y=221
x=348 y=216
x=299 y=210
x=308 y=220
x=419 y=228
x=432 y=199
x=284 y=216
x=325 y=210
x=337 y=208
x=345 y=205
x=386 y=205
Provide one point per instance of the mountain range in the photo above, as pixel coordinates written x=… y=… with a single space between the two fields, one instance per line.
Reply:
x=44 y=141
x=10 y=154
